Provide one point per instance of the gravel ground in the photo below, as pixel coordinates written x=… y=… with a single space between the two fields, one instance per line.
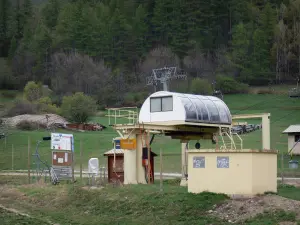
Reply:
x=239 y=210
x=41 y=119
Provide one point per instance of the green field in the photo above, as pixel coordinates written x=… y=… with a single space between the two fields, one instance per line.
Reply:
x=284 y=111
x=132 y=204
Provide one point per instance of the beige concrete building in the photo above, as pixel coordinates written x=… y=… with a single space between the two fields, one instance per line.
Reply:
x=293 y=133
x=232 y=172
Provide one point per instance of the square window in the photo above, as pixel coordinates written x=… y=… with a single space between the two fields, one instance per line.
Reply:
x=167 y=104
x=155 y=104
x=297 y=138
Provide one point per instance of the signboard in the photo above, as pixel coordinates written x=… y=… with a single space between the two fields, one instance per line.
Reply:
x=62 y=158
x=129 y=144
x=62 y=155
x=63 y=172
x=198 y=162
x=62 y=141
x=62 y=164
x=222 y=162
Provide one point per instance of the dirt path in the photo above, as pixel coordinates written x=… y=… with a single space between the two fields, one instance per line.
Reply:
x=236 y=211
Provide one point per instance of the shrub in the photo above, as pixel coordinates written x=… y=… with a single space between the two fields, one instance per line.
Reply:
x=201 y=86
x=45 y=106
x=228 y=85
x=78 y=107
x=264 y=91
x=9 y=94
x=134 y=99
x=28 y=125
x=33 y=91
x=21 y=106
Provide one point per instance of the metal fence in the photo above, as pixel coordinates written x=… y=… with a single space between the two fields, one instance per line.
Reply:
x=288 y=166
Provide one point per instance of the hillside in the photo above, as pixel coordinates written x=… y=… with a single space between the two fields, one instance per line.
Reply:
x=107 y=48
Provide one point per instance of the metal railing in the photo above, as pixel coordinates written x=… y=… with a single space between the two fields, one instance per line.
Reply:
x=124 y=115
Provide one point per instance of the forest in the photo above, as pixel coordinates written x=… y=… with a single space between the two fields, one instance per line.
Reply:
x=107 y=48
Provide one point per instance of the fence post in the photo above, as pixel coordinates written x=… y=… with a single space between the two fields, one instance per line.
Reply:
x=81 y=160
x=12 y=156
x=73 y=163
x=160 y=177
x=282 y=165
x=28 y=162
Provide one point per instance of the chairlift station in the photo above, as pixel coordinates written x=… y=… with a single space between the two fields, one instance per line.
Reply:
x=228 y=168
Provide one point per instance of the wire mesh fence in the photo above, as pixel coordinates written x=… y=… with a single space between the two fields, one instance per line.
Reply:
x=14 y=156
x=288 y=166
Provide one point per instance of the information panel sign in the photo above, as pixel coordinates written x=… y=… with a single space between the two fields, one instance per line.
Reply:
x=62 y=142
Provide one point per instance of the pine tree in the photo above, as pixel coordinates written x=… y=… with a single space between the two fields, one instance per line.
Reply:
x=240 y=47
x=27 y=9
x=119 y=34
x=5 y=11
x=12 y=48
x=50 y=13
x=260 y=58
x=268 y=21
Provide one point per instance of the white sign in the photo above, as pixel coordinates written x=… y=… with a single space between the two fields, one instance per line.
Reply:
x=62 y=141
x=93 y=166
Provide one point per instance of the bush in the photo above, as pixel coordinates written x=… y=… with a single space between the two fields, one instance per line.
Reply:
x=9 y=94
x=201 y=86
x=78 y=107
x=28 y=125
x=228 y=85
x=45 y=106
x=21 y=106
x=33 y=91
x=134 y=99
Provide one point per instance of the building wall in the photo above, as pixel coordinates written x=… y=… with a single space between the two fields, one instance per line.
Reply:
x=264 y=175
x=291 y=143
x=248 y=173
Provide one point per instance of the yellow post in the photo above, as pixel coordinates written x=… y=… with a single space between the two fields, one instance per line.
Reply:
x=266 y=132
x=183 y=163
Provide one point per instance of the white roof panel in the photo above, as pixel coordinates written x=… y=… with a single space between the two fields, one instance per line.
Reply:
x=114 y=151
x=292 y=129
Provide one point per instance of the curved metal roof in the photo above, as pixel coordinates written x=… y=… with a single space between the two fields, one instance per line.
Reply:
x=207 y=109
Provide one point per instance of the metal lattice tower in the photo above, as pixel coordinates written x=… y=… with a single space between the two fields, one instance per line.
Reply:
x=163 y=75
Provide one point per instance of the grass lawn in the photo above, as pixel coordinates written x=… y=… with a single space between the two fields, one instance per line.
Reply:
x=289 y=191
x=284 y=111
x=136 y=204
x=9 y=218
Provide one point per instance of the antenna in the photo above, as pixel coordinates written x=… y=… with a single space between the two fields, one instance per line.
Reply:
x=164 y=75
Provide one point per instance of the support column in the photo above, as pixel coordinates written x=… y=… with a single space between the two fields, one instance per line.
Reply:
x=266 y=132
x=130 y=167
x=140 y=171
x=184 y=181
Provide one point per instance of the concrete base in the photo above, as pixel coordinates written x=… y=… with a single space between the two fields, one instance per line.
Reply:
x=184 y=182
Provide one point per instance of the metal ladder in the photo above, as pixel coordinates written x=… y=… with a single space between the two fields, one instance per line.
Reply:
x=228 y=142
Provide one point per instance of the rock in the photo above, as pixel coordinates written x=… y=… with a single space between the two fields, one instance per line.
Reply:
x=210 y=211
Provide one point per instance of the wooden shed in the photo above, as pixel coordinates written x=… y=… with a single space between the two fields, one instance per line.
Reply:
x=117 y=174
x=293 y=132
